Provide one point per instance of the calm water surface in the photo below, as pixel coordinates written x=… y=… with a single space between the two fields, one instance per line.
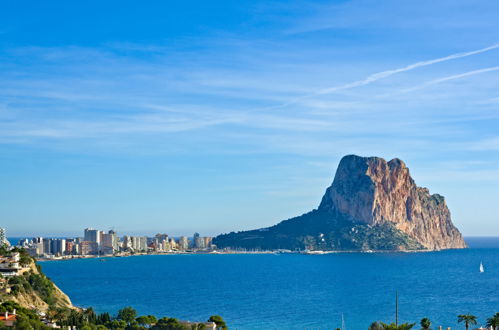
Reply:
x=291 y=291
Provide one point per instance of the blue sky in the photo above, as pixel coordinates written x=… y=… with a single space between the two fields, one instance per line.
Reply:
x=213 y=116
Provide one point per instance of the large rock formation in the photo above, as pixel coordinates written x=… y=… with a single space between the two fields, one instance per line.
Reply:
x=371 y=205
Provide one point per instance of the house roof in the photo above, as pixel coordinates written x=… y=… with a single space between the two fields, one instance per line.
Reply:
x=10 y=317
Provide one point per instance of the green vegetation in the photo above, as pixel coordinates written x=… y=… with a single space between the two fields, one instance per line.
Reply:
x=493 y=321
x=425 y=324
x=127 y=314
x=468 y=320
x=219 y=321
x=25 y=258
x=87 y=319
x=30 y=282
x=320 y=230
x=392 y=326
x=36 y=283
x=26 y=318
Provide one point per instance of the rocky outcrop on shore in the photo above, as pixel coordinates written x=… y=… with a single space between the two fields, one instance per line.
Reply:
x=372 y=204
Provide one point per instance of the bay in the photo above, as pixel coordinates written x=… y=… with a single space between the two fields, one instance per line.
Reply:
x=291 y=291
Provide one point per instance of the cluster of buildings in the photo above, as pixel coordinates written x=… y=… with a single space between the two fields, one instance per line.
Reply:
x=9 y=265
x=98 y=242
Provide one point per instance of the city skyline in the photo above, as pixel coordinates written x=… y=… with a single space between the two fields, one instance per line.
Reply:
x=219 y=117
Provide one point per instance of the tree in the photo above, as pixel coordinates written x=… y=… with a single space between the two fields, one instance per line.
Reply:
x=103 y=318
x=75 y=318
x=493 y=321
x=168 y=323
x=219 y=321
x=425 y=324
x=147 y=320
x=117 y=325
x=392 y=326
x=198 y=326
x=127 y=314
x=61 y=315
x=89 y=315
x=22 y=322
x=467 y=319
x=376 y=326
x=25 y=259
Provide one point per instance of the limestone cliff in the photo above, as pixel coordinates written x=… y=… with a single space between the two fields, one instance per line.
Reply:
x=373 y=191
x=33 y=290
x=372 y=204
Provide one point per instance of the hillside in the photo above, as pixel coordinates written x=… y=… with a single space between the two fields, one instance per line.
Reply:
x=32 y=289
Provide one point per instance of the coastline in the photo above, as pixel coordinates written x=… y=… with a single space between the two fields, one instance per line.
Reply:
x=107 y=256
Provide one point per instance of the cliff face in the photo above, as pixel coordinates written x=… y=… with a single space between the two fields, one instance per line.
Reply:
x=37 y=291
x=373 y=191
x=371 y=205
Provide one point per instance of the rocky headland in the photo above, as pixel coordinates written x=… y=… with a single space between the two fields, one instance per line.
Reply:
x=372 y=204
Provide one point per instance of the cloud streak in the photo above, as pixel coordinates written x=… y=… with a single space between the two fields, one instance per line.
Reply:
x=388 y=73
x=453 y=77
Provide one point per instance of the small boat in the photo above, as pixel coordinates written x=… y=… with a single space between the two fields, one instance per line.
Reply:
x=481 y=268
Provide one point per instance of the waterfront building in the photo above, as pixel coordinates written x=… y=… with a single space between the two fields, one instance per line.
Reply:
x=199 y=242
x=183 y=243
x=195 y=240
x=47 y=248
x=70 y=246
x=57 y=246
x=208 y=242
x=88 y=247
x=161 y=237
x=140 y=243
x=135 y=243
x=173 y=244
x=110 y=242
x=160 y=244
x=92 y=235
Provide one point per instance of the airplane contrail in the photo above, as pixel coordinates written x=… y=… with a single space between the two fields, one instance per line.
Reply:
x=385 y=74
x=453 y=77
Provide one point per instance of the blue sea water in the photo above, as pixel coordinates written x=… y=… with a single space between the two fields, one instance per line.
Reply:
x=291 y=291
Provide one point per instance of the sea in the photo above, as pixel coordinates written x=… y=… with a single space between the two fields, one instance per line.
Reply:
x=292 y=291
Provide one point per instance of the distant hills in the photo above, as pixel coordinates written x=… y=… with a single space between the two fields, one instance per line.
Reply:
x=372 y=204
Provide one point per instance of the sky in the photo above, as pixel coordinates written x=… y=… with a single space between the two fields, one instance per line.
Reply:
x=216 y=116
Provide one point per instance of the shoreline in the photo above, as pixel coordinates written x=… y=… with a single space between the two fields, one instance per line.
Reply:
x=107 y=256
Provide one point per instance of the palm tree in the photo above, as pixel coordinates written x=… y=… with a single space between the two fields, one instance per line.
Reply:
x=493 y=321
x=467 y=319
x=393 y=326
x=376 y=326
x=425 y=324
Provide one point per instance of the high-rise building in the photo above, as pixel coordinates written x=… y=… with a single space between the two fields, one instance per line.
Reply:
x=161 y=237
x=3 y=237
x=183 y=243
x=173 y=244
x=109 y=242
x=88 y=247
x=92 y=235
x=57 y=246
x=47 y=248
x=207 y=242
x=198 y=242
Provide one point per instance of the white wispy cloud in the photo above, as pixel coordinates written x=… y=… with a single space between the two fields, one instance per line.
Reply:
x=388 y=73
x=449 y=78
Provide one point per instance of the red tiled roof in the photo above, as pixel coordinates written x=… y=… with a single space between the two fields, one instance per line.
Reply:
x=11 y=317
